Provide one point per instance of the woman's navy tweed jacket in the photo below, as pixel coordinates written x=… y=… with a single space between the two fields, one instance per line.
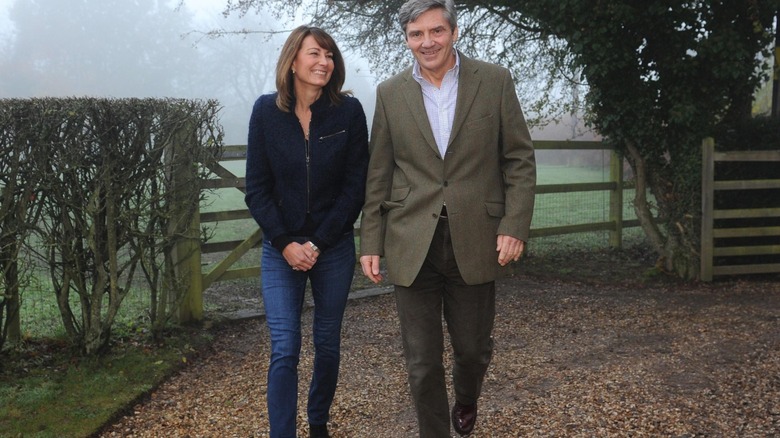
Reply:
x=315 y=192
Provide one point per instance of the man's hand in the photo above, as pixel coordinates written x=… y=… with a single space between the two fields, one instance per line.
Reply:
x=370 y=264
x=509 y=249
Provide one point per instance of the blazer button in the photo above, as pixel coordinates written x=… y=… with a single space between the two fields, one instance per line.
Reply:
x=446 y=183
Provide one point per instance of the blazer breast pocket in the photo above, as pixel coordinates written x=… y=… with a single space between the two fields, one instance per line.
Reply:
x=480 y=123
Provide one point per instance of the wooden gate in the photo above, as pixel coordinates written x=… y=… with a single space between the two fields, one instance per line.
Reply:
x=710 y=230
x=224 y=178
x=237 y=248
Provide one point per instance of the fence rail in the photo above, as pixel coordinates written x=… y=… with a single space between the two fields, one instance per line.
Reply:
x=237 y=248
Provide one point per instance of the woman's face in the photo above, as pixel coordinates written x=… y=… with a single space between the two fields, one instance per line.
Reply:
x=313 y=65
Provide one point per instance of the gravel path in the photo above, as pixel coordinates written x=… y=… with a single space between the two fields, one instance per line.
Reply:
x=572 y=359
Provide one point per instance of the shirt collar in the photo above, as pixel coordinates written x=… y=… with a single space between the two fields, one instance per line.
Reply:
x=454 y=70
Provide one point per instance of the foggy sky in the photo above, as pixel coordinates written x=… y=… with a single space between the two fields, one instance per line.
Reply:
x=234 y=69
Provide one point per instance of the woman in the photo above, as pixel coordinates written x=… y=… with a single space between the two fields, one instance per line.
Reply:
x=306 y=164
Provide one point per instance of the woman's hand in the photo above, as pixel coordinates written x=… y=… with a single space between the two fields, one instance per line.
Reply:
x=301 y=257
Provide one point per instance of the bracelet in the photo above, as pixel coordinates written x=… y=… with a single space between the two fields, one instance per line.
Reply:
x=313 y=247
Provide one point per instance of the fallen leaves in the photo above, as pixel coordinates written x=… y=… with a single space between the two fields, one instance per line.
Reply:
x=571 y=360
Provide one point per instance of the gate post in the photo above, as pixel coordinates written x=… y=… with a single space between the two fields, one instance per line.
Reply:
x=185 y=228
x=707 y=207
x=616 y=199
x=189 y=259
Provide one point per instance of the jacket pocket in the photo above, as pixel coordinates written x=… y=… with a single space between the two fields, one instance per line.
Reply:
x=386 y=206
x=397 y=196
x=495 y=209
x=480 y=123
x=399 y=193
x=333 y=135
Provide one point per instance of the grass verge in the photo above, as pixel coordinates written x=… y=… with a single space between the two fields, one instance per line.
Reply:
x=46 y=390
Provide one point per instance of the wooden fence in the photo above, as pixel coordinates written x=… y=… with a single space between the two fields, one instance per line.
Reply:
x=615 y=186
x=235 y=249
x=716 y=238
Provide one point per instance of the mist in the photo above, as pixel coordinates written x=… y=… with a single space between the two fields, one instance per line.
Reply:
x=166 y=48
x=150 y=48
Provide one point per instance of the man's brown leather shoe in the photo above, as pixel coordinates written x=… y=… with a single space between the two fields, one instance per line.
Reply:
x=463 y=418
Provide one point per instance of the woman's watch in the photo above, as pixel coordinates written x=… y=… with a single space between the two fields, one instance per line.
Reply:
x=313 y=247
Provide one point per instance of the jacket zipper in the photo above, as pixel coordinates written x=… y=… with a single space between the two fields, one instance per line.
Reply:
x=332 y=135
x=308 y=176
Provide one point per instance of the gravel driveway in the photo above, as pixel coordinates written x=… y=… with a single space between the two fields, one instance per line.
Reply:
x=573 y=358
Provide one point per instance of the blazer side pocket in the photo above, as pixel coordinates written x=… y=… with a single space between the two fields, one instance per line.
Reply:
x=386 y=206
x=397 y=195
x=495 y=209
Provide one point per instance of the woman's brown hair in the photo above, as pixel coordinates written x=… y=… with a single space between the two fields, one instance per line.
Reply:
x=284 y=75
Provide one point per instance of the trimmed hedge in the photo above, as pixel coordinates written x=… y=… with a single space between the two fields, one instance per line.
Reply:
x=94 y=182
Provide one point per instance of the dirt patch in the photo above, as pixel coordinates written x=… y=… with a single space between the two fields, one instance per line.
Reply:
x=589 y=344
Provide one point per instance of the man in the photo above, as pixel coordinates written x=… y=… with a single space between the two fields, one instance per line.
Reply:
x=449 y=200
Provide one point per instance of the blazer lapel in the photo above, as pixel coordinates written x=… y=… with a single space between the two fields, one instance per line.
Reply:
x=414 y=100
x=468 y=84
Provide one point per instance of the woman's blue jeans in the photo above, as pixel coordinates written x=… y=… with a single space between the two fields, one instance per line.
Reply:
x=283 y=297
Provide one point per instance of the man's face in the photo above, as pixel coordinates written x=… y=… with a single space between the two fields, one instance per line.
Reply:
x=431 y=41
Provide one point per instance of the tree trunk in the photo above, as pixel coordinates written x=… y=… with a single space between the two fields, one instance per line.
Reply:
x=641 y=206
x=676 y=254
x=9 y=303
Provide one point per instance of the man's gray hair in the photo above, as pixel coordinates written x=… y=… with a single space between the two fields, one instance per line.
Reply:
x=411 y=11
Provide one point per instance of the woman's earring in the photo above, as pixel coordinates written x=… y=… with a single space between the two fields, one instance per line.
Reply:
x=293 y=70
